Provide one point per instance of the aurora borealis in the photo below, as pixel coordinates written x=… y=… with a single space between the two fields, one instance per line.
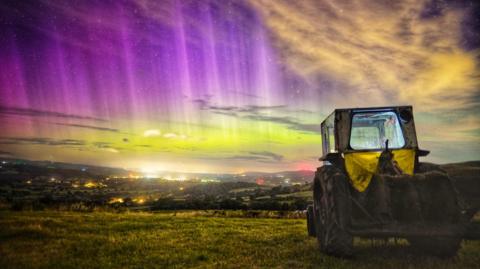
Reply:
x=229 y=86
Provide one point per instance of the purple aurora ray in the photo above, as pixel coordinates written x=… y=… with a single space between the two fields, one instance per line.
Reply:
x=223 y=85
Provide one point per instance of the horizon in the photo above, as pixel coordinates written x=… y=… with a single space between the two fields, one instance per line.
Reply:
x=157 y=172
x=229 y=86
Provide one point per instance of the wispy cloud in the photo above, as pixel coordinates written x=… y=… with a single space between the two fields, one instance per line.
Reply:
x=5 y=153
x=289 y=121
x=91 y=127
x=112 y=150
x=79 y=144
x=274 y=156
x=151 y=133
x=257 y=156
x=30 y=112
x=170 y=135
x=377 y=52
x=244 y=94
x=40 y=141
x=102 y=144
x=245 y=158
x=261 y=113
x=106 y=146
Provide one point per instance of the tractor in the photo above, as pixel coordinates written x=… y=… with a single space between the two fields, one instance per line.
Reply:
x=372 y=185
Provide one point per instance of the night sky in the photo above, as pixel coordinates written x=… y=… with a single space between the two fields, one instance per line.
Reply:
x=229 y=86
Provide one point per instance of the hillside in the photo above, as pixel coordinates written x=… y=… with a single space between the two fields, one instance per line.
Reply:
x=184 y=240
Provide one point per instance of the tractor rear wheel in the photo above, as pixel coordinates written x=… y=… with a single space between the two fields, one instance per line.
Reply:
x=332 y=212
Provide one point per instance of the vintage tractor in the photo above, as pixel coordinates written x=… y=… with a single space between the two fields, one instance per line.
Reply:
x=372 y=185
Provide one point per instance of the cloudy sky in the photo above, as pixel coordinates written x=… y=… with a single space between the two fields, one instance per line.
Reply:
x=229 y=86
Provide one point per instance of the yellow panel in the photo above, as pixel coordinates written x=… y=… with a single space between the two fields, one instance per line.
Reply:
x=361 y=166
x=405 y=159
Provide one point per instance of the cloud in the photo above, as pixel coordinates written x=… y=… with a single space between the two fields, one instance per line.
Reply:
x=259 y=113
x=106 y=146
x=252 y=158
x=257 y=108
x=366 y=53
x=258 y=156
x=5 y=153
x=274 y=156
x=205 y=104
x=40 y=141
x=29 y=112
x=152 y=133
x=459 y=126
x=103 y=146
x=290 y=122
x=231 y=114
x=175 y=136
x=170 y=135
x=246 y=157
x=143 y=146
x=244 y=94
x=112 y=150
x=97 y=128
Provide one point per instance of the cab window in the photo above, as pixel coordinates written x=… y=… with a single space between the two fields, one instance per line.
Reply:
x=371 y=130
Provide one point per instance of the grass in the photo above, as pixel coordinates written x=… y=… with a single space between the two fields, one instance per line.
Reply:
x=52 y=239
x=304 y=194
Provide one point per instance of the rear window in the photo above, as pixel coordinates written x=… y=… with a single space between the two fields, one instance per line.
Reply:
x=371 y=130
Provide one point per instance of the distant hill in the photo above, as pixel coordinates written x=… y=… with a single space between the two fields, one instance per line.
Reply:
x=47 y=168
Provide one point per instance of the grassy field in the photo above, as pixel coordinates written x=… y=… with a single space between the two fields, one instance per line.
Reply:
x=163 y=240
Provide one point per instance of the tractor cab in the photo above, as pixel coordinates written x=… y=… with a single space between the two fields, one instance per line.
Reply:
x=356 y=138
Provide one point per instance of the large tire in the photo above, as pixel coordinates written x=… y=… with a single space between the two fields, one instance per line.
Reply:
x=311 y=222
x=332 y=212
